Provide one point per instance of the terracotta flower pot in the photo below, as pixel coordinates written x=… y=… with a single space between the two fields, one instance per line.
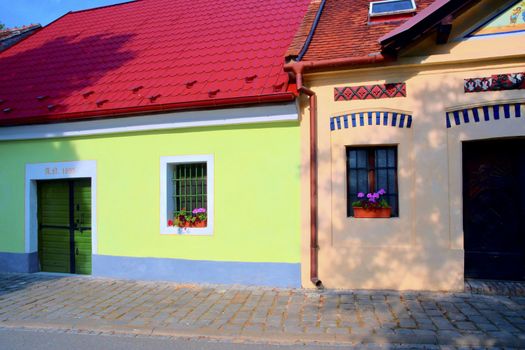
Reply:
x=372 y=212
x=200 y=223
x=184 y=224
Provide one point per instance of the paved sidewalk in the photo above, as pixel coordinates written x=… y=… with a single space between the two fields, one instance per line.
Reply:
x=41 y=301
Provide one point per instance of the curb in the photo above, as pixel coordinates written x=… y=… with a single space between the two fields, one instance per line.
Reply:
x=276 y=338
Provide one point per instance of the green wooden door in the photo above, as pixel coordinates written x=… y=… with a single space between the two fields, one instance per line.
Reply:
x=53 y=218
x=64 y=236
x=82 y=218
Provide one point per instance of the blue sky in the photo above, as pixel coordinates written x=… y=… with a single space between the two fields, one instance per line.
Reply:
x=19 y=12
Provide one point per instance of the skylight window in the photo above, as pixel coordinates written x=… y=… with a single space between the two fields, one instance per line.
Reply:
x=391 y=7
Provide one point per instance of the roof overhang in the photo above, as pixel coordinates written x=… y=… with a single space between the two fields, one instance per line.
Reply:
x=438 y=16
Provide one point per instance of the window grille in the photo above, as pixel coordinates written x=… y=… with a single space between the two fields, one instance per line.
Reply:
x=189 y=184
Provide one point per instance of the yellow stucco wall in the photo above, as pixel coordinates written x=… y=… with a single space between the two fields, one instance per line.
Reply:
x=423 y=247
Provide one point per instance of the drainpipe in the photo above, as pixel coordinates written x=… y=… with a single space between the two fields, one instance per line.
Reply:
x=312 y=98
x=298 y=68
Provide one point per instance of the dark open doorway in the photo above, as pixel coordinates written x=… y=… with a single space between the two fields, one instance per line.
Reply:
x=494 y=209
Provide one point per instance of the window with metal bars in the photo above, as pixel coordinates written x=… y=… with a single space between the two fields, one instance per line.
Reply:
x=190 y=187
x=369 y=169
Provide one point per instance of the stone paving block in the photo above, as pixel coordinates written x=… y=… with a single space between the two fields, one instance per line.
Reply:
x=442 y=323
x=407 y=323
x=228 y=309
x=465 y=326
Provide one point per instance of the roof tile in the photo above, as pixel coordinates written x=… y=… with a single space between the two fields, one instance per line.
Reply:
x=158 y=44
x=343 y=30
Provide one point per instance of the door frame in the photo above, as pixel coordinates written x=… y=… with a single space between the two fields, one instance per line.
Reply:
x=512 y=127
x=56 y=171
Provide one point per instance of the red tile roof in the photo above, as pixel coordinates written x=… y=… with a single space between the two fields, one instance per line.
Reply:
x=343 y=30
x=150 y=55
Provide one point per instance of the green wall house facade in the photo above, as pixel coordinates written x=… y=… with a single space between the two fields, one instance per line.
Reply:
x=254 y=236
x=132 y=152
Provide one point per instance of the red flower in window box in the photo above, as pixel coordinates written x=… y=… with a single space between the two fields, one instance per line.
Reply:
x=372 y=205
x=197 y=218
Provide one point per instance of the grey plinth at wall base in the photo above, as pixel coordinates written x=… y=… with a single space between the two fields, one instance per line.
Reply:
x=19 y=262
x=286 y=275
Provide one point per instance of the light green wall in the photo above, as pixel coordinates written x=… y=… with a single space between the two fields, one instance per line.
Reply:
x=257 y=191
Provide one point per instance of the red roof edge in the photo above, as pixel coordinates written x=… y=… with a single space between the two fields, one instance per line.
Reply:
x=105 y=6
x=423 y=22
x=153 y=109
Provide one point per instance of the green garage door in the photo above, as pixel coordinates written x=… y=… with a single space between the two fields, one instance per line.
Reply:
x=64 y=217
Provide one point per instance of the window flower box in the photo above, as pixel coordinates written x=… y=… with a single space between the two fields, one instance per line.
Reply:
x=371 y=205
x=184 y=219
x=372 y=212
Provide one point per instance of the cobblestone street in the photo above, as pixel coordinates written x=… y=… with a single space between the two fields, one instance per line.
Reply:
x=42 y=301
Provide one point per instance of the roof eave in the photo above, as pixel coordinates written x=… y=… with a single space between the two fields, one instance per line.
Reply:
x=153 y=109
x=337 y=63
x=423 y=22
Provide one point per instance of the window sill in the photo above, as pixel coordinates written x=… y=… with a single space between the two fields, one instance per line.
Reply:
x=187 y=231
x=358 y=218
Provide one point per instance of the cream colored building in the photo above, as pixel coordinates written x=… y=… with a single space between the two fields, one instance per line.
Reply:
x=444 y=80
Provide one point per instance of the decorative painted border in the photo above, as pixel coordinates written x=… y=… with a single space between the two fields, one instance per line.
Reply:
x=485 y=113
x=370 y=92
x=498 y=82
x=353 y=120
x=286 y=275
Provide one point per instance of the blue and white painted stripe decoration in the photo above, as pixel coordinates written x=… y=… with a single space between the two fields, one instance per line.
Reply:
x=485 y=114
x=354 y=120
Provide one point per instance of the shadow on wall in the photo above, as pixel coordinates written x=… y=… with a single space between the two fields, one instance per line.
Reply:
x=59 y=71
x=420 y=253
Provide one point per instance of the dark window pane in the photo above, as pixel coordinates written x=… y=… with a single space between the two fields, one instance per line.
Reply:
x=352 y=159
x=391 y=157
x=391 y=182
x=362 y=181
x=381 y=158
x=381 y=179
x=353 y=182
x=362 y=158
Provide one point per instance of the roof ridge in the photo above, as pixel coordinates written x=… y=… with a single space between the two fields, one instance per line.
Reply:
x=23 y=27
x=105 y=6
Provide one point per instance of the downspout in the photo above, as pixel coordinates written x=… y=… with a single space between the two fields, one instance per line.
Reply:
x=314 y=247
x=298 y=68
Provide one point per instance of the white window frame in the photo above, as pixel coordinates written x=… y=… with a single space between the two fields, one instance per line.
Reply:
x=167 y=165
x=371 y=14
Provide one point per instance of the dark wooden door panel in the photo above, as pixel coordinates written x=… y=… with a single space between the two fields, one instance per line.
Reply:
x=494 y=209
x=64 y=215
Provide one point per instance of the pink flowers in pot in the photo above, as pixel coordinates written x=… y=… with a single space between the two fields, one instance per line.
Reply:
x=371 y=200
